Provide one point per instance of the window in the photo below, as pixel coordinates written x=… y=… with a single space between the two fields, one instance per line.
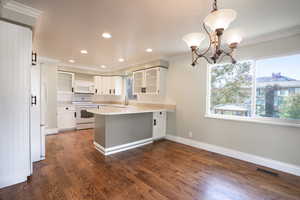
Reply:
x=265 y=89
x=279 y=79
x=230 y=89
x=129 y=90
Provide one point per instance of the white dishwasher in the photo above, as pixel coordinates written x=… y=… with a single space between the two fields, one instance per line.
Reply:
x=66 y=117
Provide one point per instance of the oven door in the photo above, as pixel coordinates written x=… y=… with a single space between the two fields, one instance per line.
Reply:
x=82 y=116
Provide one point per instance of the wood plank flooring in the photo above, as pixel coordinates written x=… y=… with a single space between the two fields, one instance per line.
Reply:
x=163 y=170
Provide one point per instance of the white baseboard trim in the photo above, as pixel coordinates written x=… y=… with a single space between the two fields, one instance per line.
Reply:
x=8 y=181
x=273 y=164
x=50 y=131
x=123 y=147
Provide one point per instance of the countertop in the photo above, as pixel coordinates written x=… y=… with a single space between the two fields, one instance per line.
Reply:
x=122 y=109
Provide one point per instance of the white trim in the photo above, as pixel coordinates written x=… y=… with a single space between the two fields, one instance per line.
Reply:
x=5 y=182
x=123 y=147
x=50 y=131
x=90 y=68
x=23 y=9
x=277 y=165
x=259 y=120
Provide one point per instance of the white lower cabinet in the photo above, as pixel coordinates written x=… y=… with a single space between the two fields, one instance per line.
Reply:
x=66 y=117
x=159 y=125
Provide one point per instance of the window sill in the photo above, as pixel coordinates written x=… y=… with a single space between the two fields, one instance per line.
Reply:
x=253 y=120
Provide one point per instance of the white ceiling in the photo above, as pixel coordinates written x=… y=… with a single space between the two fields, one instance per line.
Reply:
x=67 y=26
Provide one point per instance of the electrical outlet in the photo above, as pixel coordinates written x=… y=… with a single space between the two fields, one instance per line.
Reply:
x=190 y=134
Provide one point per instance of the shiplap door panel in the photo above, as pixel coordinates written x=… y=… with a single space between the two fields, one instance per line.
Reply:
x=15 y=63
x=35 y=114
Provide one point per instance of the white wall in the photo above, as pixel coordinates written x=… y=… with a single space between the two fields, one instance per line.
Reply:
x=187 y=87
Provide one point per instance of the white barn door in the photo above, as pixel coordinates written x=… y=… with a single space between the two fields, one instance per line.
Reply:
x=15 y=63
x=35 y=114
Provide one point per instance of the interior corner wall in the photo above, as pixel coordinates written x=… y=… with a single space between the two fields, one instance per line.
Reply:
x=186 y=86
x=49 y=78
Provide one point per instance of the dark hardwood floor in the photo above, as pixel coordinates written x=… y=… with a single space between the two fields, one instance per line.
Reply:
x=163 y=170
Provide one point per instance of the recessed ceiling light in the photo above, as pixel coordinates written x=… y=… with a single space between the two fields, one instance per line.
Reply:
x=71 y=61
x=103 y=66
x=106 y=35
x=84 y=51
x=149 y=50
x=121 y=60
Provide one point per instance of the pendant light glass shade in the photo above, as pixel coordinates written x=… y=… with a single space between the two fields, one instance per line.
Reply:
x=220 y=19
x=194 y=39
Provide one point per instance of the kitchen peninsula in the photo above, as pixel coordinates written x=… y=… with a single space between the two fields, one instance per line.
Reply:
x=119 y=128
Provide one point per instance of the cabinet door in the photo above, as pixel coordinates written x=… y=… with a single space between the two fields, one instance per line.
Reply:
x=96 y=80
x=98 y=85
x=152 y=81
x=138 y=82
x=159 y=125
x=66 y=120
x=65 y=82
x=106 y=85
x=112 y=85
x=118 y=85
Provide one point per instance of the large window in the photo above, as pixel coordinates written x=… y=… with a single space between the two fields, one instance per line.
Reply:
x=264 y=89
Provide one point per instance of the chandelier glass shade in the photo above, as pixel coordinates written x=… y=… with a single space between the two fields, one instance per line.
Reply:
x=220 y=19
x=194 y=39
x=214 y=25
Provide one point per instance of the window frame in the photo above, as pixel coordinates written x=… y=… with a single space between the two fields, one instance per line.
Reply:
x=253 y=117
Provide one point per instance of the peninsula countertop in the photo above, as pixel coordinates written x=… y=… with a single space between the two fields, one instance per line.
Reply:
x=108 y=109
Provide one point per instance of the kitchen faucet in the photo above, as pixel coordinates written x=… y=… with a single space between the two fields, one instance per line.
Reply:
x=126 y=100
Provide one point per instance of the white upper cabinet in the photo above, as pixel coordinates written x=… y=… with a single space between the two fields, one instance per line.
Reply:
x=84 y=87
x=152 y=80
x=98 y=85
x=149 y=81
x=108 y=85
x=65 y=82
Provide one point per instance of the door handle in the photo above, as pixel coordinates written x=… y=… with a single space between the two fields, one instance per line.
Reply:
x=114 y=91
x=33 y=100
x=75 y=115
x=96 y=90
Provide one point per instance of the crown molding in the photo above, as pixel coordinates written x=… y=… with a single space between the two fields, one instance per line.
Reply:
x=21 y=8
x=94 y=69
x=138 y=63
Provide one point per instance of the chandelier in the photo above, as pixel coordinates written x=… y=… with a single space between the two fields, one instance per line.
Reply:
x=214 y=25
